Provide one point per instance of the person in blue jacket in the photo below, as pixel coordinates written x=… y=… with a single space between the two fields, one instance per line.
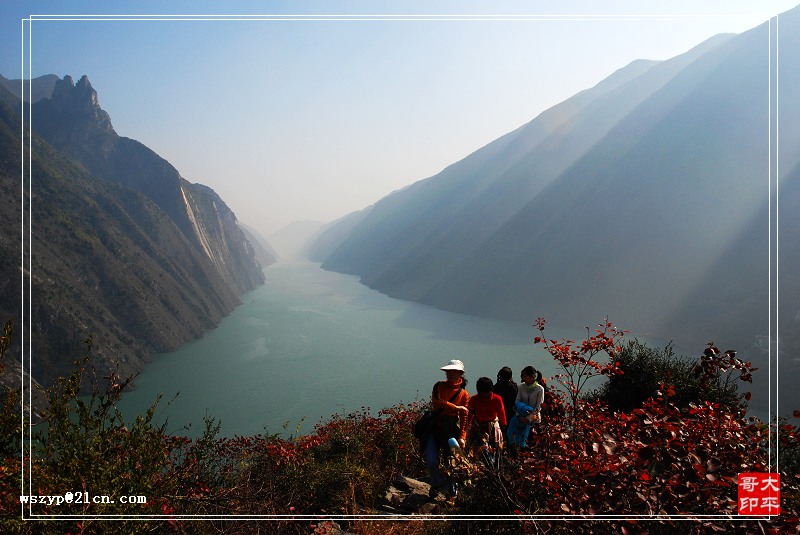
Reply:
x=519 y=427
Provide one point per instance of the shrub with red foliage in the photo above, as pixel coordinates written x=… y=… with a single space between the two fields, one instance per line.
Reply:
x=655 y=460
x=584 y=460
x=347 y=460
x=579 y=362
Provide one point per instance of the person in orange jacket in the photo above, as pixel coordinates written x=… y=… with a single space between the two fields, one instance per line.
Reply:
x=450 y=399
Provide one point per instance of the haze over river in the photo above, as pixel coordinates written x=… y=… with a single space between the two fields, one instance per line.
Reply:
x=311 y=343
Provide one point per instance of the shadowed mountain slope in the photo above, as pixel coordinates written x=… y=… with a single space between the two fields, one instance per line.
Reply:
x=73 y=122
x=414 y=237
x=106 y=259
x=645 y=206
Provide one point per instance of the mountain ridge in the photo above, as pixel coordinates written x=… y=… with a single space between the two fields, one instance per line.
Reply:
x=515 y=177
x=106 y=258
x=628 y=227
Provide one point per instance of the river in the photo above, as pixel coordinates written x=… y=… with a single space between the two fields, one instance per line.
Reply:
x=311 y=343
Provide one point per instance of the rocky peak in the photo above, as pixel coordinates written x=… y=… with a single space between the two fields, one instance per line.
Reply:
x=72 y=121
x=79 y=102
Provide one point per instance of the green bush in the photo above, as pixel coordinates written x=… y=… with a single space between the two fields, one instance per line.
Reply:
x=657 y=455
x=657 y=373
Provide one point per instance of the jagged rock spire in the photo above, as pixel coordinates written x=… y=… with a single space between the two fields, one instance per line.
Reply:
x=79 y=101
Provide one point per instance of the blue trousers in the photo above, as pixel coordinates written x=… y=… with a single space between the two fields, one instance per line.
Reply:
x=432 y=453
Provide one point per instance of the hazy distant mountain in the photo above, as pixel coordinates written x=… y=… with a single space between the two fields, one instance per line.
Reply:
x=292 y=242
x=641 y=199
x=330 y=236
x=412 y=238
x=265 y=254
x=40 y=88
x=122 y=248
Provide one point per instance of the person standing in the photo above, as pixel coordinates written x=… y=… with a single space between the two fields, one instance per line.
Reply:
x=486 y=407
x=450 y=399
x=506 y=388
x=519 y=428
x=530 y=392
x=487 y=416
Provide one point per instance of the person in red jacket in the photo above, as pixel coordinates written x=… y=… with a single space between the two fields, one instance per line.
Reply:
x=449 y=399
x=487 y=415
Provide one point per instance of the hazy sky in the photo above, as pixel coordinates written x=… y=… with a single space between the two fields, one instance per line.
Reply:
x=315 y=118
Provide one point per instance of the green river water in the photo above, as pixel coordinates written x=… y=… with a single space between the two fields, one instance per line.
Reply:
x=311 y=343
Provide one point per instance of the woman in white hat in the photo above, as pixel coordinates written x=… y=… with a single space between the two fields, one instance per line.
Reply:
x=450 y=399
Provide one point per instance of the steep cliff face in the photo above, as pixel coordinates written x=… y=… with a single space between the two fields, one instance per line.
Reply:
x=221 y=238
x=73 y=122
x=120 y=247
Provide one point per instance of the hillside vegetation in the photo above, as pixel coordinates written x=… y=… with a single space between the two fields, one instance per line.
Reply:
x=673 y=455
x=111 y=239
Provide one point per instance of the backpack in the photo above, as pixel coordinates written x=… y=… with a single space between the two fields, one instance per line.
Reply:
x=425 y=423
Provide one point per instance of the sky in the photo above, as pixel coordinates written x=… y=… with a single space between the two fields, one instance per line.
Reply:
x=314 y=116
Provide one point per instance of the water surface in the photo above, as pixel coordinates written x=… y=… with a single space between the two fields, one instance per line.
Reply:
x=310 y=343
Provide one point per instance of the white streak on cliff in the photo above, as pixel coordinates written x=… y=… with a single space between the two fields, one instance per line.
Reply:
x=201 y=235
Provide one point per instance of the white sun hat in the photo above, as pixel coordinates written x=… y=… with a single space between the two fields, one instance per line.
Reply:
x=454 y=365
